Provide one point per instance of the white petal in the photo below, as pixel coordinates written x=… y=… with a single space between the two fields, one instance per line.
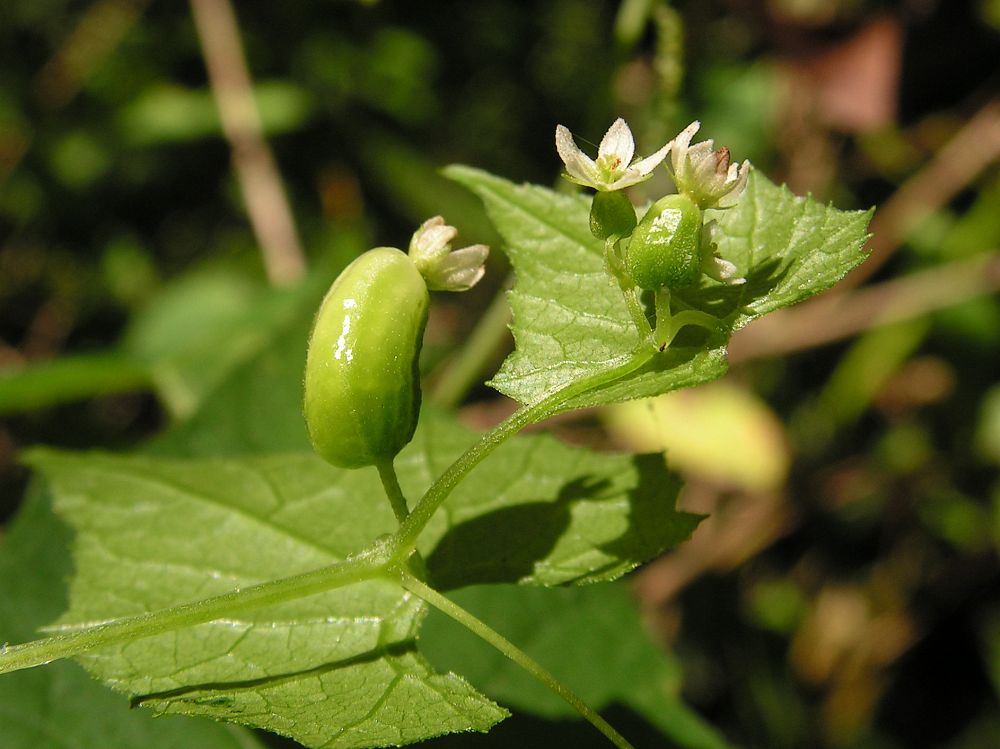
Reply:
x=434 y=241
x=578 y=164
x=417 y=240
x=683 y=139
x=631 y=177
x=648 y=164
x=618 y=142
x=461 y=270
x=721 y=270
x=732 y=196
x=433 y=221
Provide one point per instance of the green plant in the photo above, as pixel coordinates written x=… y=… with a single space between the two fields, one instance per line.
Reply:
x=279 y=591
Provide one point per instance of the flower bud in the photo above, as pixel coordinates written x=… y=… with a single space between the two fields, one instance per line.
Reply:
x=442 y=268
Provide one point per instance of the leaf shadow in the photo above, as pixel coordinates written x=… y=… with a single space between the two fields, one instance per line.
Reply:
x=503 y=546
x=507 y=545
x=654 y=522
x=213 y=694
x=726 y=302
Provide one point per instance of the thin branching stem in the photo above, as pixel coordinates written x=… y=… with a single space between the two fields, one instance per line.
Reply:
x=381 y=556
x=390 y=482
x=514 y=653
x=70 y=643
x=409 y=531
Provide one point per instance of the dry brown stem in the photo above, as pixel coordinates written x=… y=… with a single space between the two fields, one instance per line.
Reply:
x=253 y=161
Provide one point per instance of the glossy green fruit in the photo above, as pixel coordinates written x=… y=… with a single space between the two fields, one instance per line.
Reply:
x=611 y=214
x=362 y=389
x=665 y=249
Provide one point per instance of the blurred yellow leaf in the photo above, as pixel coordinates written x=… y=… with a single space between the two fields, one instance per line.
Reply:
x=719 y=431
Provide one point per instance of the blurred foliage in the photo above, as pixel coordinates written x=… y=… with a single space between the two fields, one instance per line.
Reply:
x=845 y=591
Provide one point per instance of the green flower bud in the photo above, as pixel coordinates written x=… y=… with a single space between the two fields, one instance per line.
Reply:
x=362 y=387
x=611 y=214
x=666 y=247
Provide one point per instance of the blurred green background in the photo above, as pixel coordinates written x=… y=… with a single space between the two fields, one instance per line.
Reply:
x=846 y=590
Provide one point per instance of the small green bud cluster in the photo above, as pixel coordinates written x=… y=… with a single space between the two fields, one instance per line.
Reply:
x=671 y=246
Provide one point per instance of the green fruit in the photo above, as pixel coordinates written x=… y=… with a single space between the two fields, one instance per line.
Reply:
x=611 y=214
x=665 y=249
x=362 y=389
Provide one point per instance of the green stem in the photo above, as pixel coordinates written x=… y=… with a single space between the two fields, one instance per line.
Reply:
x=616 y=267
x=387 y=472
x=370 y=563
x=635 y=310
x=39 y=652
x=69 y=378
x=509 y=649
x=406 y=538
x=466 y=367
x=669 y=324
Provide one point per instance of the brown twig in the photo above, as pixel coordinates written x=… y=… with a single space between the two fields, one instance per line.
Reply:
x=837 y=313
x=844 y=315
x=256 y=170
x=96 y=35
x=974 y=147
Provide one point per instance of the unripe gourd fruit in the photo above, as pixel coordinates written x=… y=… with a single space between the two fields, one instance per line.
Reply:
x=611 y=213
x=362 y=389
x=665 y=248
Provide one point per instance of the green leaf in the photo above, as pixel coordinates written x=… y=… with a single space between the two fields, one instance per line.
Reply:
x=204 y=326
x=552 y=515
x=256 y=409
x=60 y=705
x=173 y=114
x=190 y=339
x=338 y=669
x=789 y=248
x=570 y=320
x=591 y=637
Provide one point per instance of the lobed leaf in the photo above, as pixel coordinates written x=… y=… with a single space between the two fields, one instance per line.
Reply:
x=570 y=320
x=60 y=705
x=339 y=669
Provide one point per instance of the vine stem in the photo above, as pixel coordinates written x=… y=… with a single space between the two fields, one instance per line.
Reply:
x=463 y=371
x=390 y=482
x=669 y=324
x=71 y=643
x=410 y=529
x=616 y=268
x=381 y=555
x=518 y=656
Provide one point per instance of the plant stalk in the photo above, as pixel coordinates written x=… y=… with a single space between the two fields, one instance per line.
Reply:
x=410 y=529
x=72 y=643
x=390 y=482
x=518 y=656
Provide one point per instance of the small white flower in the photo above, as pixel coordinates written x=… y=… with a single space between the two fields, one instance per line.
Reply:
x=613 y=169
x=443 y=269
x=721 y=270
x=714 y=266
x=704 y=174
